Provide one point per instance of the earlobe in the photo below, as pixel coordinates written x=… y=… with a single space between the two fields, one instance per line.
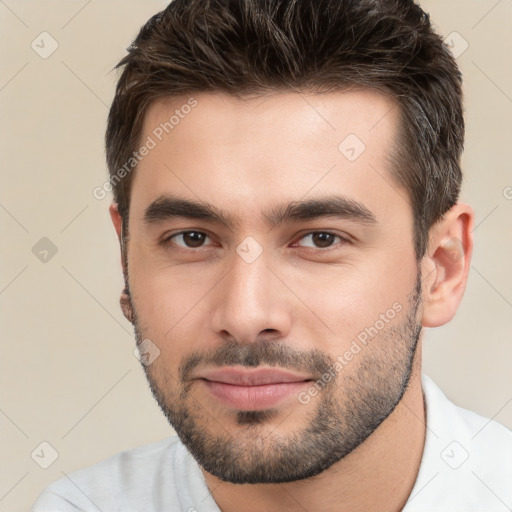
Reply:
x=446 y=266
x=126 y=305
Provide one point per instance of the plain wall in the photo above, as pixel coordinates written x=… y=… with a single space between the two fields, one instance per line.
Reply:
x=67 y=369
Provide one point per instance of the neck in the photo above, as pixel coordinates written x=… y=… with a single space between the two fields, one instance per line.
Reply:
x=377 y=476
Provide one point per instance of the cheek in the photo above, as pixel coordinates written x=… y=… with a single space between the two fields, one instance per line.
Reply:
x=170 y=302
x=347 y=300
x=329 y=305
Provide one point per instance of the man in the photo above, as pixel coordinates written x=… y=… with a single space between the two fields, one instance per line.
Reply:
x=286 y=177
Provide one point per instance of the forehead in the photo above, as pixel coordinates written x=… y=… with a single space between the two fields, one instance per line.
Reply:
x=247 y=154
x=296 y=116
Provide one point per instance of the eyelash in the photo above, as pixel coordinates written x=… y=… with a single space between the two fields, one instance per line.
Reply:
x=167 y=241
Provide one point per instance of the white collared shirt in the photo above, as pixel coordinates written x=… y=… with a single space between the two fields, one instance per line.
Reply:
x=466 y=467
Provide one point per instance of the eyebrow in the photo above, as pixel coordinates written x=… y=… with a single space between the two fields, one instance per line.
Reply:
x=168 y=207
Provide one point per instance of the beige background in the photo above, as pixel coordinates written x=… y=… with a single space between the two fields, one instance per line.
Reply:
x=68 y=373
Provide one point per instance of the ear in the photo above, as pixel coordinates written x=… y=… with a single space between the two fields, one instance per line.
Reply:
x=117 y=220
x=124 y=300
x=445 y=267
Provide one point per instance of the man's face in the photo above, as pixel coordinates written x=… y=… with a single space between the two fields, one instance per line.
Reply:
x=287 y=309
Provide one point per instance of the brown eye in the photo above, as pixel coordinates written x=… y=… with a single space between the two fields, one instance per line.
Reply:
x=189 y=239
x=319 y=239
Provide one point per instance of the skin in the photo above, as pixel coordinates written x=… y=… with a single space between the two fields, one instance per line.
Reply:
x=245 y=157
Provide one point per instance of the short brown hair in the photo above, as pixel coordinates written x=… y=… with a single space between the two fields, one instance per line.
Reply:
x=252 y=47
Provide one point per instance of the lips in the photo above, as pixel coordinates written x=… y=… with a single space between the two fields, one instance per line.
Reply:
x=252 y=389
x=251 y=377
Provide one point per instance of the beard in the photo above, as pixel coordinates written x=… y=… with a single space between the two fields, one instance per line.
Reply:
x=346 y=411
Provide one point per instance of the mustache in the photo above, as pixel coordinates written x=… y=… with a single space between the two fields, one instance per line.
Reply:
x=260 y=353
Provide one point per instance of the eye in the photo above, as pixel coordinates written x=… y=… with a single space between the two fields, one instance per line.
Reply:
x=188 y=239
x=320 y=240
x=197 y=239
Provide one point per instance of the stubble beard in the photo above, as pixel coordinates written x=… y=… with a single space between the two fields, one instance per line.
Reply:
x=349 y=408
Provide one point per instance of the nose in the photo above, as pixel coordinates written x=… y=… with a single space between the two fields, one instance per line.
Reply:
x=251 y=303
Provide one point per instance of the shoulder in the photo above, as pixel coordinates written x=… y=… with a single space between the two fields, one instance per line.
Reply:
x=467 y=459
x=121 y=482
